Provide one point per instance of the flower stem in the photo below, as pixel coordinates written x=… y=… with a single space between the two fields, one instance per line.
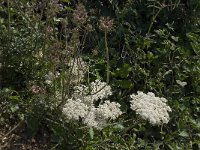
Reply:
x=153 y=20
x=107 y=59
x=8 y=11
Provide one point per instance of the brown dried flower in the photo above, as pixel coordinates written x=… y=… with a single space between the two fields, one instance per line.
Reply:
x=37 y=90
x=66 y=54
x=106 y=24
x=68 y=51
x=80 y=14
x=89 y=27
x=56 y=45
x=49 y=29
x=55 y=1
x=95 y=51
x=55 y=52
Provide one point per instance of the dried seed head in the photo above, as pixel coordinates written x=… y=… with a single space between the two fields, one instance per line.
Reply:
x=74 y=40
x=37 y=90
x=69 y=50
x=49 y=29
x=80 y=14
x=95 y=51
x=56 y=45
x=89 y=27
x=106 y=24
x=92 y=11
x=55 y=1
x=66 y=54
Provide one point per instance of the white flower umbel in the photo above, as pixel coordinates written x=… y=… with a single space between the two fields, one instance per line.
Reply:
x=100 y=90
x=82 y=105
x=78 y=69
x=75 y=109
x=92 y=119
x=99 y=117
x=151 y=108
x=95 y=91
x=109 y=110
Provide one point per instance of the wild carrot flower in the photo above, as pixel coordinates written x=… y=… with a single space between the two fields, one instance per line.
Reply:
x=75 y=109
x=95 y=91
x=99 y=117
x=151 y=108
x=109 y=110
x=82 y=105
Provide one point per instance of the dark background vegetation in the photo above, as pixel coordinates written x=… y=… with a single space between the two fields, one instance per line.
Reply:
x=154 y=45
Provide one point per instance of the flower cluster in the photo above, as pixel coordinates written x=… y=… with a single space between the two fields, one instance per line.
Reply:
x=93 y=120
x=98 y=117
x=106 y=24
x=151 y=108
x=75 y=109
x=78 y=68
x=49 y=78
x=82 y=105
x=109 y=110
x=80 y=14
x=35 y=89
x=95 y=91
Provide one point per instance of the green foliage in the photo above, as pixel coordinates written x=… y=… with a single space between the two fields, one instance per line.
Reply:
x=154 y=46
x=194 y=37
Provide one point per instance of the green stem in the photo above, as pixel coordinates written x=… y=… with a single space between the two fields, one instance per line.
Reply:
x=8 y=36
x=83 y=41
x=153 y=20
x=107 y=59
x=8 y=11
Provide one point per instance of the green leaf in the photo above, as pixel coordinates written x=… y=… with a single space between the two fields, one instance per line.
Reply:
x=124 y=83
x=14 y=108
x=170 y=147
x=195 y=42
x=91 y=132
x=123 y=71
x=68 y=8
x=14 y=98
x=181 y=83
x=184 y=134
x=174 y=38
x=119 y=127
x=66 y=1
x=32 y=126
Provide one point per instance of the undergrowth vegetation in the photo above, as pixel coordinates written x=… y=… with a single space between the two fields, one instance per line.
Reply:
x=104 y=74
